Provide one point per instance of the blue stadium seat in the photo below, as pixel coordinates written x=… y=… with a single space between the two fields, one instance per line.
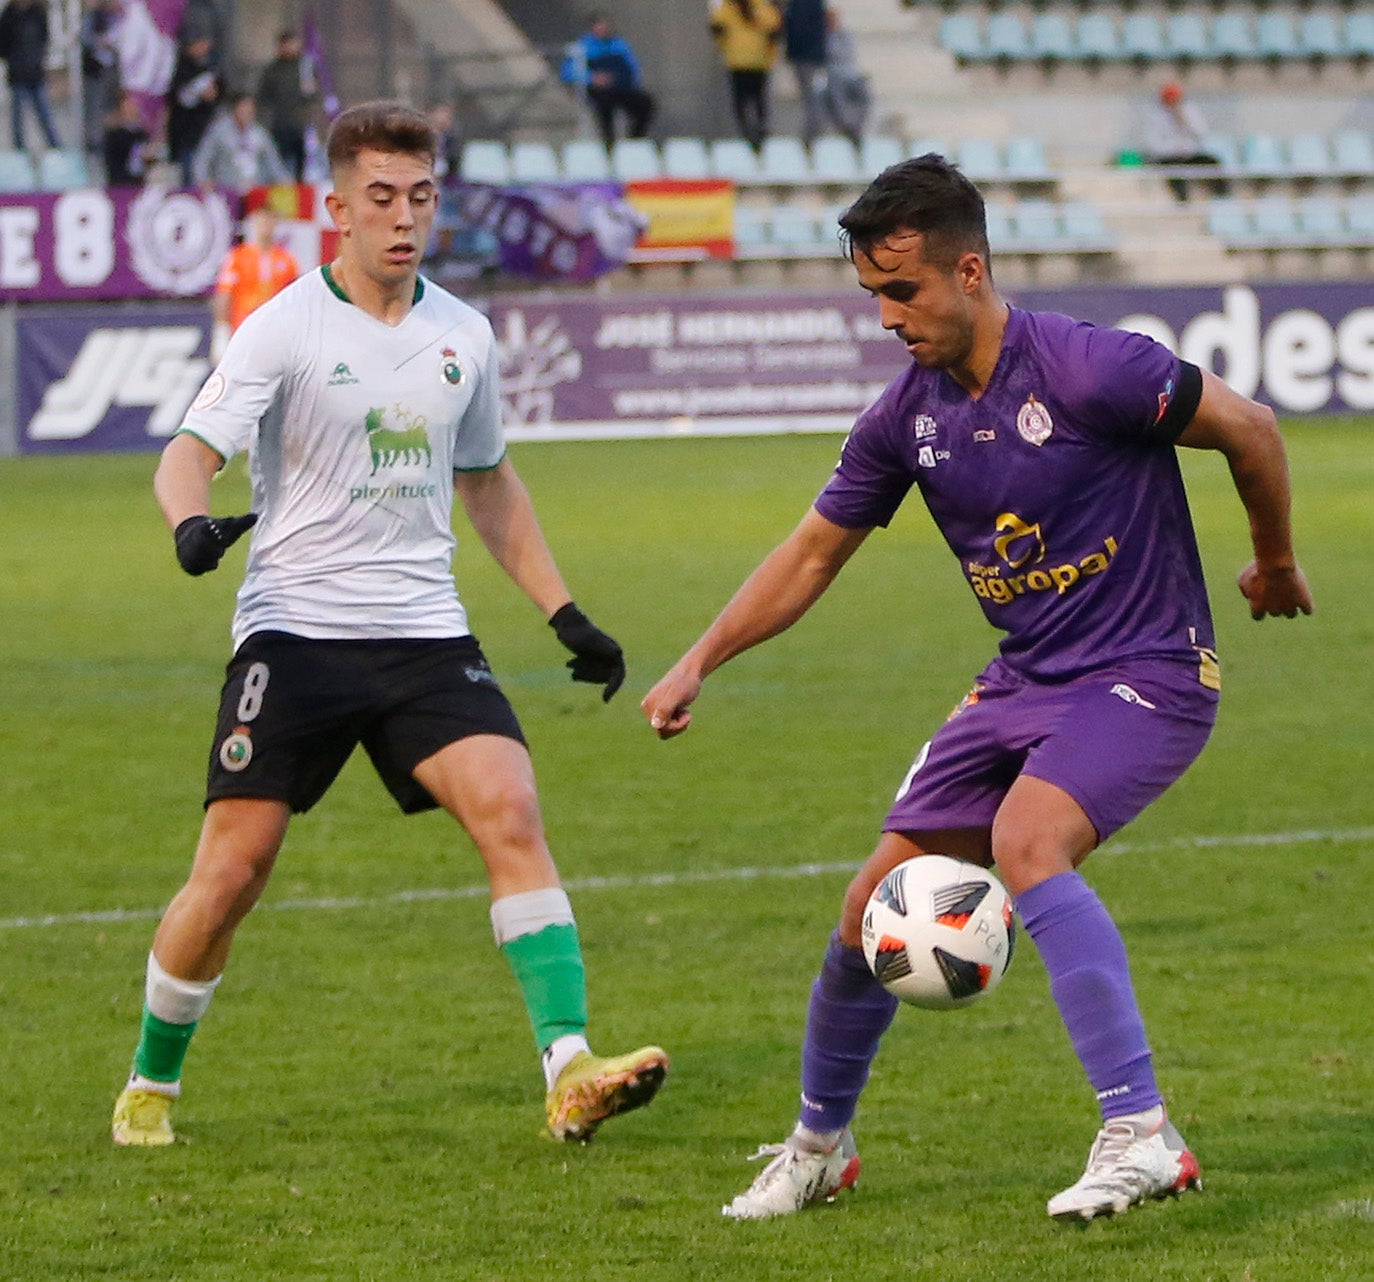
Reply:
x=1142 y=38
x=686 y=158
x=635 y=160
x=1036 y=226
x=1275 y=221
x=784 y=162
x=1051 y=37
x=1084 y=229
x=485 y=162
x=1025 y=160
x=585 y=161
x=1228 y=220
x=1320 y=221
x=735 y=159
x=1359 y=34
x=1309 y=156
x=1262 y=157
x=1096 y=38
x=1186 y=37
x=1352 y=153
x=999 y=227
x=1223 y=147
x=751 y=233
x=61 y=169
x=959 y=34
x=1276 y=36
x=1359 y=219
x=795 y=230
x=1231 y=36
x=878 y=151
x=980 y=159
x=922 y=146
x=16 y=171
x=835 y=160
x=1319 y=36
x=534 y=162
x=1007 y=39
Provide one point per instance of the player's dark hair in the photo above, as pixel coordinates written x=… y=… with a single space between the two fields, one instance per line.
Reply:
x=927 y=195
x=381 y=125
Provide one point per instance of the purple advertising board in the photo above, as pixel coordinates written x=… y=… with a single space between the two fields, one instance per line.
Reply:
x=632 y=365
x=111 y=243
x=108 y=379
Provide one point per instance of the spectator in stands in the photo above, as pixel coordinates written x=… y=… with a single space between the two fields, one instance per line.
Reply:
x=601 y=65
x=236 y=152
x=191 y=101
x=449 y=144
x=99 y=70
x=805 y=39
x=256 y=269
x=848 y=96
x=746 y=33
x=1174 y=136
x=126 y=145
x=24 y=49
x=287 y=94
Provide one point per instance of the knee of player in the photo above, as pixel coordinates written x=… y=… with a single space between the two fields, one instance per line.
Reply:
x=510 y=815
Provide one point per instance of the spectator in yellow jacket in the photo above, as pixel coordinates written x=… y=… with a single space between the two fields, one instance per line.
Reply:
x=747 y=33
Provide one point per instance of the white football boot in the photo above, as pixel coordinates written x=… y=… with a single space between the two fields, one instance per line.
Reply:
x=796 y=1178
x=1132 y=1159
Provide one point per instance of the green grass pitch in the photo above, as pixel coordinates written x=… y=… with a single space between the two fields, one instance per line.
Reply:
x=363 y=1102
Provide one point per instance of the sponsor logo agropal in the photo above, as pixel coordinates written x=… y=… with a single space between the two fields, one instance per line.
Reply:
x=1025 y=566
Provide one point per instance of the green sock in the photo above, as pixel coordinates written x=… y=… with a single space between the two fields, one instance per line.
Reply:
x=548 y=968
x=161 y=1048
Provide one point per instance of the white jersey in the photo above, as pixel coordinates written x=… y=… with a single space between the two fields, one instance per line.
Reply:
x=354 y=429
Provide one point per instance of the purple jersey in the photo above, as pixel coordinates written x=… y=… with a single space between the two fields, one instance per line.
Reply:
x=1058 y=490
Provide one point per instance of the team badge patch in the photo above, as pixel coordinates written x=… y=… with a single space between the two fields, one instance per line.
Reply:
x=236 y=752
x=1033 y=421
x=923 y=426
x=210 y=393
x=449 y=369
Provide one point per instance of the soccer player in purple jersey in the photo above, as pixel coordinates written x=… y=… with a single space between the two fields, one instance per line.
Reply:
x=1044 y=449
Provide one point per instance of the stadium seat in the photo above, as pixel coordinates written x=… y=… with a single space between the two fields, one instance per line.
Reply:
x=1262 y=157
x=923 y=146
x=878 y=151
x=1186 y=37
x=1007 y=40
x=835 y=160
x=585 y=161
x=959 y=34
x=1359 y=220
x=534 y=162
x=735 y=159
x=1223 y=147
x=1320 y=221
x=1359 y=34
x=1352 y=153
x=686 y=158
x=1025 y=160
x=751 y=233
x=16 y=171
x=1231 y=36
x=61 y=169
x=1051 y=37
x=1229 y=221
x=980 y=159
x=485 y=162
x=1276 y=36
x=1275 y=221
x=1142 y=38
x=1319 y=36
x=1309 y=156
x=636 y=159
x=1096 y=38
x=1083 y=226
x=1036 y=225
x=999 y=227
x=795 y=232
x=784 y=162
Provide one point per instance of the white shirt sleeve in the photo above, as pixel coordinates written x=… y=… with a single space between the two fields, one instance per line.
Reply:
x=242 y=387
x=481 y=440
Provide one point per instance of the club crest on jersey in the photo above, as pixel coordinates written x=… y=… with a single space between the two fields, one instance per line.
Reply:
x=1033 y=421
x=236 y=751
x=449 y=369
x=923 y=427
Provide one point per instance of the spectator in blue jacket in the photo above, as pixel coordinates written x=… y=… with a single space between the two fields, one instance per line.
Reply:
x=24 y=51
x=804 y=47
x=601 y=66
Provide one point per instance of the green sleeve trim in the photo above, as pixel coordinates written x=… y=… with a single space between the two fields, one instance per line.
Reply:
x=186 y=431
x=490 y=467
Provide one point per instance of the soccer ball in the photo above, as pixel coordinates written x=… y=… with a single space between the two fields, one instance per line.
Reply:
x=938 y=933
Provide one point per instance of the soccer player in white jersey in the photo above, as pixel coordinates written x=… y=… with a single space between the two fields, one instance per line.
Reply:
x=365 y=396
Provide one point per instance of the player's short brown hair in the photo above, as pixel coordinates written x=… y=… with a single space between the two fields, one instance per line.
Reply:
x=382 y=125
x=927 y=195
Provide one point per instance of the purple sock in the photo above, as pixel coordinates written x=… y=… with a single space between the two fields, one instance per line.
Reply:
x=1091 y=982
x=849 y=1013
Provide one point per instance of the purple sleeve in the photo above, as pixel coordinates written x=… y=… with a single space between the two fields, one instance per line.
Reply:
x=1133 y=388
x=871 y=479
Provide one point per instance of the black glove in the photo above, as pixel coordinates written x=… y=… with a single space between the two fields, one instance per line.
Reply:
x=598 y=658
x=203 y=540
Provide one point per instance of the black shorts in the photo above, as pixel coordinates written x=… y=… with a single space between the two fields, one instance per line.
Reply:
x=292 y=711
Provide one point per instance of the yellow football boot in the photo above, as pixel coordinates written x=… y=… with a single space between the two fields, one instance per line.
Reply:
x=592 y=1088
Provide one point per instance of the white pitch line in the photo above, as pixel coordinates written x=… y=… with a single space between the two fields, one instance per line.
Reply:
x=1303 y=836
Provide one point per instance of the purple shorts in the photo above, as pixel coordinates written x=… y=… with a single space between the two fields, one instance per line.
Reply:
x=1113 y=740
